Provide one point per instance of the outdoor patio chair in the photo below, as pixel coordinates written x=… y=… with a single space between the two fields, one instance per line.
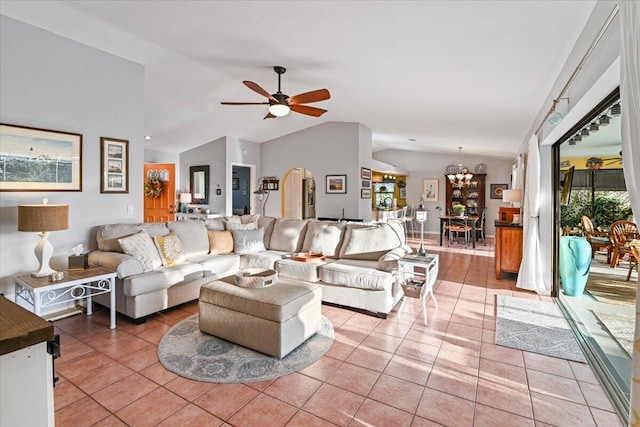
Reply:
x=622 y=232
x=599 y=240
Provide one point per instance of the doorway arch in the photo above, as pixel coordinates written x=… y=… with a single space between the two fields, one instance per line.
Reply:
x=298 y=197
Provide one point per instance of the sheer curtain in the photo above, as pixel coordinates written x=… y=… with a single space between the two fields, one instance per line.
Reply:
x=530 y=275
x=630 y=98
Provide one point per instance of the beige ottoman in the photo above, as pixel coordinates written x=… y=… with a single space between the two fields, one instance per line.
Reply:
x=273 y=320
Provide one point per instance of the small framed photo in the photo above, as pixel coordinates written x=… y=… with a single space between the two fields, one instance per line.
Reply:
x=114 y=165
x=497 y=189
x=336 y=184
x=365 y=193
x=235 y=183
x=366 y=183
x=365 y=173
x=430 y=189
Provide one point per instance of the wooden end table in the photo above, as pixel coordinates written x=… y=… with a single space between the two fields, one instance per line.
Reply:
x=417 y=275
x=39 y=292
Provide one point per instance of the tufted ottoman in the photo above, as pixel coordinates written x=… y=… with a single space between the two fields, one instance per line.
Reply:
x=273 y=320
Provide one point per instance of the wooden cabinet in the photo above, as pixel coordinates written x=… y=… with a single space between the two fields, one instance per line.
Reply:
x=472 y=195
x=508 y=253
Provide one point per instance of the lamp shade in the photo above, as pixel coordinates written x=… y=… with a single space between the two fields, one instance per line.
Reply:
x=512 y=196
x=40 y=218
x=185 y=197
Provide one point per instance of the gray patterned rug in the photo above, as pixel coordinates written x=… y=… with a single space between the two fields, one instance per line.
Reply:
x=535 y=326
x=202 y=357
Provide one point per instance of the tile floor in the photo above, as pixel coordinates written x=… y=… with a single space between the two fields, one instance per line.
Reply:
x=393 y=372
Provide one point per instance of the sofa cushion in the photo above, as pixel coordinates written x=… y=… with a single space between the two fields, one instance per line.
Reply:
x=248 y=241
x=170 y=249
x=108 y=235
x=218 y=265
x=215 y=224
x=323 y=237
x=356 y=274
x=193 y=235
x=266 y=222
x=370 y=242
x=389 y=261
x=249 y=219
x=141 y=247
x=266 y=259
x=307 y=271
x=288 y=235
x=247 y=226
x=220 y=242
x=162 y=278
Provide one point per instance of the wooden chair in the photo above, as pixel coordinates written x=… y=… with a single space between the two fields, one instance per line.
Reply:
x=635 y=258
x=621 y=233
x=457 y=226
x=481 y=226
x=599 y=240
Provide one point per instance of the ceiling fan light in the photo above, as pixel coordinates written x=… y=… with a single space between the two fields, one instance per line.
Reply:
x=604 y=120
x=279 y=110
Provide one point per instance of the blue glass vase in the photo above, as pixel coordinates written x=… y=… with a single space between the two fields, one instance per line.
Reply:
x=575 y=263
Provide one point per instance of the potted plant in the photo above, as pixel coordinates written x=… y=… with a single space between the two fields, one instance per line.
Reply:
x=594 y=163
x=459 y=209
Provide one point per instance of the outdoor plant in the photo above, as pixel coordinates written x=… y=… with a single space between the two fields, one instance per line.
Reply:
x=610 y=206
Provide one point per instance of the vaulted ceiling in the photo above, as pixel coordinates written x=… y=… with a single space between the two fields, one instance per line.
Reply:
x=423 y=75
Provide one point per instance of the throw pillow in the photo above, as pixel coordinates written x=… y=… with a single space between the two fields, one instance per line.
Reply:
x=220 y=242
x=248 y=241
x=237 y=226
x=246 y=219
x=323 y=237
x=141 y=247
x=170 y=249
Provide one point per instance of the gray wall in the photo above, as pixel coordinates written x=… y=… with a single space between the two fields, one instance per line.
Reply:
x=214 y=155
x=54 y=83
x=425 y=165
x=327 y=149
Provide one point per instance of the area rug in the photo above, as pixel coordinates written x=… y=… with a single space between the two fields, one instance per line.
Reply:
x=621 y=326
x=190 y=353
x=612 y=291
x=535 y=326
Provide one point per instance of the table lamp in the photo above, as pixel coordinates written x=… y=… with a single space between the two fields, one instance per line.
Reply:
x=185 y=199
x=42 y=219
x=513 y=197
x=421 y=218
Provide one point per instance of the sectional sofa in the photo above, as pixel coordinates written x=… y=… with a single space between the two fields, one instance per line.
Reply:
x=160 y=265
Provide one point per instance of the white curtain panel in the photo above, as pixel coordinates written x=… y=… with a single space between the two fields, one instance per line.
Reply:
x=530 y=275
x=630 y=98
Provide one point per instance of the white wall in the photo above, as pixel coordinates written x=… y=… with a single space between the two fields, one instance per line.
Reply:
x=426 y=165
x=54 y=83
x=327 y=149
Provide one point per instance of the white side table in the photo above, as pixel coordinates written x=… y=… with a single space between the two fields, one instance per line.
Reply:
x=417 y=275
x=39 y=292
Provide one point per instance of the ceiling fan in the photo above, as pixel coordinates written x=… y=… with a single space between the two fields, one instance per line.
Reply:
x=280 y=104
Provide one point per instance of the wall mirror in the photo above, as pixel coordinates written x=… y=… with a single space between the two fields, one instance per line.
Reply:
x=199 y=182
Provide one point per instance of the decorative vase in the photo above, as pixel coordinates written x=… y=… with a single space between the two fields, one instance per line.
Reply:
x=575 y=263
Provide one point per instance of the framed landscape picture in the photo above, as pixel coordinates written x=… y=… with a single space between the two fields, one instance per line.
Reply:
x=34 y=159
x=336 y=184
x=365 y=193
x=365 y=173
x=114 y=165
x=496 y=190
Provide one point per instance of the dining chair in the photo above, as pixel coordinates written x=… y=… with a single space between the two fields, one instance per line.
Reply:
x=622 y=232
x=407 y=218
x=480 y=227
x=457 y=226
x=634 y=258
x=599 y=240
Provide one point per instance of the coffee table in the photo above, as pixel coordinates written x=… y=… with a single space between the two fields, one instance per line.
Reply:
x=417 y=275
x=39 y=292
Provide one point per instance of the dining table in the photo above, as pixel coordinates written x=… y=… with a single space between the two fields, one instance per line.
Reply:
x=473 y=220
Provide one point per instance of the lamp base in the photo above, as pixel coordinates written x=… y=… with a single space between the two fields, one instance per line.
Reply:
x=43 y=252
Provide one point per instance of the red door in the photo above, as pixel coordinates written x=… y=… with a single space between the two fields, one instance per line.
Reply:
x=163 y=208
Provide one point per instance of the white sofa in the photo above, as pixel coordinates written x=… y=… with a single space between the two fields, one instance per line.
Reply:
x=359 y=271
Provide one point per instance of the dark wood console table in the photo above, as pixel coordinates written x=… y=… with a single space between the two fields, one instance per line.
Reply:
x=508 y=247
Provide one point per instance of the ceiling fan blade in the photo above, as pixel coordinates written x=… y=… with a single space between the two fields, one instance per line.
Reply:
x=307 y=97
x=256 y=88
x=243 y=103
x=309 y=111
x=269 y=116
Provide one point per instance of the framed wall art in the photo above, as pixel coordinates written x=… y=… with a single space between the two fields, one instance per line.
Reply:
x=430 y=189
x=114 y=165
x=496 y=190
x=336 y=184
x=366 y=183
x=365 y=193
x=33 y=159
x=365 y=173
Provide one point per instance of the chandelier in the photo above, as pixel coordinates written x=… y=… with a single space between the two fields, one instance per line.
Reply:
x=462 y=177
